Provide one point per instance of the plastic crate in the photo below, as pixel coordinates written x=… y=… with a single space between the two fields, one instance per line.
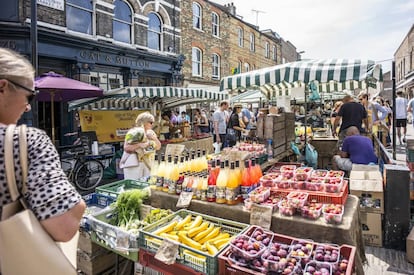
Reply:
x=348 y=252
x=95 y=204
x=203 y=262
x=410 y=155
x=112 y=237
x=113 y=189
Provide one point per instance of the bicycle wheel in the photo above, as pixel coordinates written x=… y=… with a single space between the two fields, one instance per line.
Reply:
x=88 y=175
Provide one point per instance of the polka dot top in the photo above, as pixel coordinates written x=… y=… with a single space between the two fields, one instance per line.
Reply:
x=49 y=193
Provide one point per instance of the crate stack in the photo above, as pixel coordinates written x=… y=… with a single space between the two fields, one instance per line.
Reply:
x=280 y=128
x=410 y=164
x=366 y=183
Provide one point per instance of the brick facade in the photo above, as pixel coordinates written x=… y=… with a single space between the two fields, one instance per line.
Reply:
x=404 y=63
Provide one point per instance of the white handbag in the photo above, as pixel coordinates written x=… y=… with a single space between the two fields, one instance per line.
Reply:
x=25 y=247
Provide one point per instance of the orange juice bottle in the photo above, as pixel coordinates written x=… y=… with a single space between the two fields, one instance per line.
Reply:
x=246 y=182
x=221 y=184
x=232 y=187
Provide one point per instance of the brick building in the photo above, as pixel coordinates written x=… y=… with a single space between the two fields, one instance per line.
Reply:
x=216 y=42
x=108 y=43
x=404 y=64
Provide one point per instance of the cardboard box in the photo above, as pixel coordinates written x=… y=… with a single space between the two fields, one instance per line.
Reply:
x=86 y=245
x=371 y=228
x=410 y=246
x=367 y=184
x=96 y=264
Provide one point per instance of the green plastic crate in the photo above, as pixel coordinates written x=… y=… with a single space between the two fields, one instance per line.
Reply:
x=205 y=263
x=109 y=236
x=410 y=155
x=113 y=189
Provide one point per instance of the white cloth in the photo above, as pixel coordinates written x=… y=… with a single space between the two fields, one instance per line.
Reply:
x=401 y=108
x=136 y=172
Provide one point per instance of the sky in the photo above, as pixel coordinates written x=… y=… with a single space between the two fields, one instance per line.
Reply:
x=353 y=29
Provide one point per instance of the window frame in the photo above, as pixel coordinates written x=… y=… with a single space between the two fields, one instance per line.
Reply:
x=267 y=50
x=240 y=37
x=160 y=33
x=215 y=24
x=252 y=39
x=199 y=62
x=215 y=63
x=84 y=9
x=199 y=17
x=239 y=67
x=131 y=31
x=274 y=53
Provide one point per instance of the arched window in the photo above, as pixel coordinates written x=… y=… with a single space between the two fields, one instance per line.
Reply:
x=215 y=66
x=154 y=32
x=252 y=42
x=197 y=59
x=239 y=67
x=246 y=67
x=79 y=16
x=197 y=16
x=122 y=22
x=240 y=36
x=267 y=50
x=215 y=24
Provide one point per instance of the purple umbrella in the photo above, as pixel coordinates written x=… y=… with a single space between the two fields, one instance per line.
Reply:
x=55 y=87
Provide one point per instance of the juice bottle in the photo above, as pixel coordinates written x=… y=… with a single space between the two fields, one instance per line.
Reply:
x=167 y=171
x=238 y=171
x=204 y=187
x=253 y=173
x=204 y=162
x=211 y=181
x=174 y=176
x=232 y=187
x=154 y=172
x=245 y=181
x=161 y=173
x=221 y=184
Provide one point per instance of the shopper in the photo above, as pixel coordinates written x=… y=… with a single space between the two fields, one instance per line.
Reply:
x=355 y=149
x=235 y=125
x=220 y=118
x=49 y=194
x=201 y=122
x=401 y=116
x=139 y=148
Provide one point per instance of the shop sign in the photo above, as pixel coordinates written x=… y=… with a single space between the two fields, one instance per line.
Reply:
x=9 y=44
x=111 y=59
x=54 y=4
x=110 y=125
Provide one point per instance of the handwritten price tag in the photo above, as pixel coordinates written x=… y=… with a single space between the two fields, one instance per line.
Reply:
x=261 y=215
x=167 y=252
x=184 y=199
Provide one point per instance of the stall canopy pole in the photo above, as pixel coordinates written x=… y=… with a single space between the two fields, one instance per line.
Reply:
x=306 y=115
x=394 y=120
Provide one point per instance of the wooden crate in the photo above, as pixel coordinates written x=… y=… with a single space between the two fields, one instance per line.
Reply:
x=96 y=264
x=87 y=246
x=260 y=127
x=273 y=124
x=279 y=138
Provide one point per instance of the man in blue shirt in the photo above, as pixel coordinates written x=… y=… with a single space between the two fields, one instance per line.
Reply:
x=355 y=149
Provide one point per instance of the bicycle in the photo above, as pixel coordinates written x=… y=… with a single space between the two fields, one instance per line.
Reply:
x=82 y=170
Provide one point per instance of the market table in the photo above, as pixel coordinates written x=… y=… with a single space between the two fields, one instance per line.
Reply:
x=349 y=232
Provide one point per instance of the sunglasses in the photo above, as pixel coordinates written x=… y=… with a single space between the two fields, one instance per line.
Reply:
x=33 y=93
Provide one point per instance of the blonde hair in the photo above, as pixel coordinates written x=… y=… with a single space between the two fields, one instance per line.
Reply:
x=143 y=117
x=15 y=66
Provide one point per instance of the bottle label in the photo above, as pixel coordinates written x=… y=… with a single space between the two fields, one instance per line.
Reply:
x=198 y=194
x=203 y=196
x=232 y=194
x=211 y=192
x=160 y=182
x=244 y=191
x=171 y=186
x=178 y=188
x=220 y=194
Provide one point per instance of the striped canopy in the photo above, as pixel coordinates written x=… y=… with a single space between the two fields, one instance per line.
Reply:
x=143 y=97
x=330 y=75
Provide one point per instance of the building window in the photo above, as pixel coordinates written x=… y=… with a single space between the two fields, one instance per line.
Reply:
x=197 y=58
x=246 y=67
x=215 y=24
x=274 y=53
x=252 y=42
x=240 y=36
x=154 y=32
x=122 y=22
x=197 y=16
x=267 y=50
x=79 y=16
x=216 y=66
x=239 y=67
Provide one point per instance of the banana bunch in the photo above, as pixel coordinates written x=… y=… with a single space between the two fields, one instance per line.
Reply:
x=196 y=233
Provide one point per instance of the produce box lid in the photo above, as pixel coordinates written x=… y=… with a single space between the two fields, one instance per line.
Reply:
x=367 y=185
x=365 y=172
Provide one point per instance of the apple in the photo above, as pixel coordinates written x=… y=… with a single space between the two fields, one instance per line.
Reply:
x=333 y=213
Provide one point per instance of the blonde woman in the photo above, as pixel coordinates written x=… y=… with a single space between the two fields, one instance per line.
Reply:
x=140 y=145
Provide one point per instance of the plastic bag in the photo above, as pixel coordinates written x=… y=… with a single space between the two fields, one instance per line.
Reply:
x=311 y=156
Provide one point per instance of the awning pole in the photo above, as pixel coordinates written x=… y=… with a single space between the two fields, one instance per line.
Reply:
x=306 y=116
x=394 y=120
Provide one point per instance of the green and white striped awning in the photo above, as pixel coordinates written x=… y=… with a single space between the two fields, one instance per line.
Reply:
x=331 y=75
x=143 y=97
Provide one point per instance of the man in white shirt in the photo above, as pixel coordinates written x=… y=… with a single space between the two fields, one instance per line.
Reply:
x=401 y=116
x=220 y=120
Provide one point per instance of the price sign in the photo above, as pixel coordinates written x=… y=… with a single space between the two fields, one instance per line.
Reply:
x=184 y=200
x=261 y=215
x=167 y=252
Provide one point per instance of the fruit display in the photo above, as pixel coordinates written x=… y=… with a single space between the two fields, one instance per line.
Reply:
x=272 y=201
x=311 y=210
x=282 y=183
x=333 y=184
x=297 y=199
x=247 y=204
x=341 y=267
x=315 y=268
x=261 y=235
x=315 y=184
x=326 y=253
x=299 y=185
x=335 y=174
x=259 y=194
x=285 y=208
x=301 y=249
x=268 y=180
x=319 y=173
x=242 y=246
x=333 y=213
x=303 y=173
x=275 y=258
x=287 y=169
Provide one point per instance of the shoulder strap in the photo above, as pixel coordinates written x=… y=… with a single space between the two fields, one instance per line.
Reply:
x=9 y=160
